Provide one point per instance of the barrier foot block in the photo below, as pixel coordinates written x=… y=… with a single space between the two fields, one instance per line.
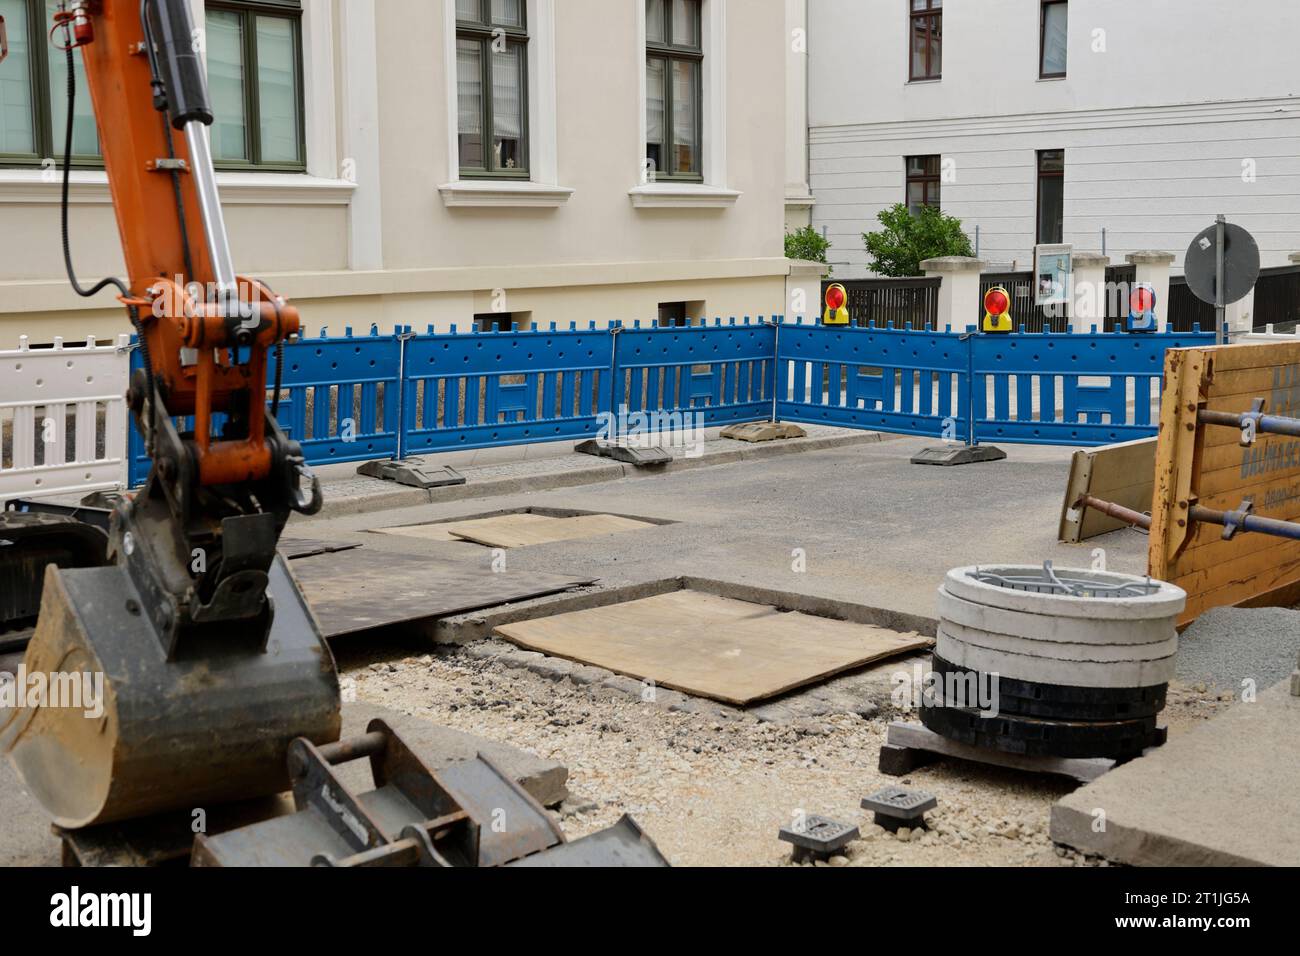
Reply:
x=948 y=455
x=640 y=457
x=412 y=472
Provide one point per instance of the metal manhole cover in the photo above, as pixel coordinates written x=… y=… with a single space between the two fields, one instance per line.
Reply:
x=1049 y=581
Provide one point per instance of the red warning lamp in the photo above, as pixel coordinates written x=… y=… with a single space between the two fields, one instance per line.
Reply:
x=837 y=298
x=997 y=310
x=1142 y=300
x=995 y=302
x=1142 y=309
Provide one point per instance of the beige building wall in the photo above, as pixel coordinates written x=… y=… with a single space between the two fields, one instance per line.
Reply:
x=798 y=197
x=379 y=231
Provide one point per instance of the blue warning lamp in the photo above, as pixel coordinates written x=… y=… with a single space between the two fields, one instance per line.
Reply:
x=1142 y=308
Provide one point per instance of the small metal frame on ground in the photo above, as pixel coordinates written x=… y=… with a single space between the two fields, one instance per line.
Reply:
x=897 y=807
x=817 y=838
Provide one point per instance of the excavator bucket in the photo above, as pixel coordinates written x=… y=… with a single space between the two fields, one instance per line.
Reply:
x=469 y=814
x=107 y=728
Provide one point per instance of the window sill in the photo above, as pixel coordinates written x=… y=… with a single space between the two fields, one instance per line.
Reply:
x=44 y=187
x=920 y=81
x=518 y=193
x=682 y=196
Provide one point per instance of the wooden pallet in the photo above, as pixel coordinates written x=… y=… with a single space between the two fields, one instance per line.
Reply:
x=908 y=746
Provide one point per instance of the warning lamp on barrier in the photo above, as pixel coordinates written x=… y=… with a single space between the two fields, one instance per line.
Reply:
x=997 y=310
x=1142 y=308
x=837 y=300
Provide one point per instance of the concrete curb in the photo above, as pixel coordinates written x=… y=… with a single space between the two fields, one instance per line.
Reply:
x=599 y=471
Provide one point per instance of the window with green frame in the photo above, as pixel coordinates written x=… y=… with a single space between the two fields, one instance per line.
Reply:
x=492 y=88
x=674 y=93
x=34 y=92
x=254 y=54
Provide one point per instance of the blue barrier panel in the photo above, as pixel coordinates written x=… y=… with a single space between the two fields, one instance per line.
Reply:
x=1049 y=388
x=896 y=380
x=338 y=399
x=719 y=374
x=480 y=389
x=359 y=398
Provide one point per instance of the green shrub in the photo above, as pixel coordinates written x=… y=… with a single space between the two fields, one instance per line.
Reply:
x=906 y=241
x=806 y=243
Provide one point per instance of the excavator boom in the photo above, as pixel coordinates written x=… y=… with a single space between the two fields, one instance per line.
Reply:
x=209 y=658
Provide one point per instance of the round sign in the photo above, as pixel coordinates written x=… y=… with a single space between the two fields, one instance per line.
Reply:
x=1240 y=264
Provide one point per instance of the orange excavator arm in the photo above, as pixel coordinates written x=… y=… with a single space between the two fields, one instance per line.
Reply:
x=211 y=661
x=206 y=334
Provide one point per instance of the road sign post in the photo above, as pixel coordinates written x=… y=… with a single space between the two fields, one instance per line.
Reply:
x=1221 y=267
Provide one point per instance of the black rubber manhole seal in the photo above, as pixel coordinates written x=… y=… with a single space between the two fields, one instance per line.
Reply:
x=1036 y=737
x=1061 y=702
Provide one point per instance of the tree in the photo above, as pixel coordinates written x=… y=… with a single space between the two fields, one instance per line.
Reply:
x=808 y=244
x=906 y=241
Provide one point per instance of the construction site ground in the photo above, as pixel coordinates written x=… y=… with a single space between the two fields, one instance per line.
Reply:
x=837 y=523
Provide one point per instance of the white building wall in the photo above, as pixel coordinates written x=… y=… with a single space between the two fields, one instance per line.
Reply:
x=1172 y=111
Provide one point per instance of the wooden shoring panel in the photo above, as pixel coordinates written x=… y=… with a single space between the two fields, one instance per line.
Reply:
x=1122 y=474
x=1208 y=466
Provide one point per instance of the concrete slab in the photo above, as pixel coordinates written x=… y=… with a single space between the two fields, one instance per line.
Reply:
x=1221 y=794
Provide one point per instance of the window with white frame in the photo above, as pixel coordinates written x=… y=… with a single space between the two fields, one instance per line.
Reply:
x=254 y=59
x=683 y=119
x=674 y=89
x=492 y=88
x=34 y=92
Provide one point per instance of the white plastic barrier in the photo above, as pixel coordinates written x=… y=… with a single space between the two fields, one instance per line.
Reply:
x=1268 y=335
x=63 y=419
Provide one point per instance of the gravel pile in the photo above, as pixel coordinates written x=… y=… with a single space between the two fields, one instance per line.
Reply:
x=714 y=787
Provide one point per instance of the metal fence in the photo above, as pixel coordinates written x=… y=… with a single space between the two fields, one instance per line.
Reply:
x=1028 y=317
x=899 y=302
x=1277 y=298
x=1186 y=311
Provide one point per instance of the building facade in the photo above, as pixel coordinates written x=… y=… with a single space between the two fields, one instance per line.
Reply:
x=1106 y=124
x=468 y=162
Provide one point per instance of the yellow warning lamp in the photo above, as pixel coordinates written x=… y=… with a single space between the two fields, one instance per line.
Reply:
x=837 y=300
x=997 y=310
